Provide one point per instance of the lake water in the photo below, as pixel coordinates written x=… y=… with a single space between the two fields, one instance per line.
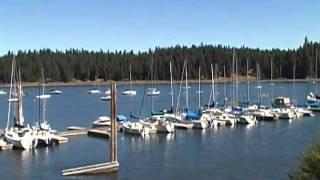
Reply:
x=266 y=151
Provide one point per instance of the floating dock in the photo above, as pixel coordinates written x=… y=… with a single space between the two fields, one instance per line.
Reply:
x=102 y=133
x=92 y=169
x=59 y=139
x=73 y=132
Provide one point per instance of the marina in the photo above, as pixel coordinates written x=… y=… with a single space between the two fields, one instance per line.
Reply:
x=80 y=133
x=159 y=90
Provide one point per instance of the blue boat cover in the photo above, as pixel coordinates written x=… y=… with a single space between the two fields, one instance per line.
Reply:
x=193 y=115
x=121 y=118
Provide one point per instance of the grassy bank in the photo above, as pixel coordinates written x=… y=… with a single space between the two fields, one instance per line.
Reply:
x=309 y=164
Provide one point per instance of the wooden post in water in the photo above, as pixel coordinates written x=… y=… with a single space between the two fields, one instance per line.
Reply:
x=113 y=135
x=108 y=166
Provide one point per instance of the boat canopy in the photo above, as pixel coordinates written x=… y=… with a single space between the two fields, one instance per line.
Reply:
x=281 y=102
x=121 y=118
x=193 y=115
x=156 y=113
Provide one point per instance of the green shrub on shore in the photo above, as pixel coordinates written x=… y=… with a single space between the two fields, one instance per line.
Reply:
x=309 y=164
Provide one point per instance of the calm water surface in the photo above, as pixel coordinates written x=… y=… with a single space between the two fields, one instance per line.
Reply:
x=266 y=151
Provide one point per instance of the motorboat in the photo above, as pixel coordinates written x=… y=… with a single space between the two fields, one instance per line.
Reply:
x=43 y=96
x=284 y=113
x=264 y=114
x=55 y=91
x=94 y=91
x=135 y=128
x=105 y=98
x=102 y=121
x=246 y=119
x=203 y=122
x=129 y=92
x=158 y=125
x=153 y=92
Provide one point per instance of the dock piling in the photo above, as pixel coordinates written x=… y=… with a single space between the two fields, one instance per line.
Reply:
x=108 y=166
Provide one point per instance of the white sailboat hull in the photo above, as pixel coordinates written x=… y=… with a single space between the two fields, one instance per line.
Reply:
x=105 y=98
x=129 y=93
x=94 y=91
x=199 y=124
x=43 y=96
x=22 y=141
x=244 y=119
x=135 y=128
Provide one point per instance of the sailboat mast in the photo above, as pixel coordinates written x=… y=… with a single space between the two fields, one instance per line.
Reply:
x=212 y=85
x=233 y=77
x=316 y=81
x=181 y=83
x=130 y=78
x=199 y=88
x=225 y=85
x=42 y=79
x=39 y=103
x=20 y=119
x=10 y=91
x=215 y=76
x=171 y=86
x=187 y=100
x=258 y=83
x=130 y=98
x=271 y=76
x=248 y=83
x=294 y=83
x=152 y=85
x=237 y=83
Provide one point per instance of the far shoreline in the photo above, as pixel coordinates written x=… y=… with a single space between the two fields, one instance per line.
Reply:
x=140 y=82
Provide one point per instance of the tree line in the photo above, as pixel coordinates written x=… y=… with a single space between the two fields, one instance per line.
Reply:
x=83 y=65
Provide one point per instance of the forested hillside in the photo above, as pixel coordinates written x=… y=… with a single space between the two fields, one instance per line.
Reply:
x=80 y=64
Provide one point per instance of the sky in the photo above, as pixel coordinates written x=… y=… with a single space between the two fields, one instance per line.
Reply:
x=142 y=24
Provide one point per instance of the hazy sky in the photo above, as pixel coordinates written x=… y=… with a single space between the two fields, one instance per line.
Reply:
x=144 y=24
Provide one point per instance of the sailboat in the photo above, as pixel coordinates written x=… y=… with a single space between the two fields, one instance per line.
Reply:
x=42 y=127
x=152 y=91
x=313 y=100
x=96 y=89
x=55 y=91
x=19 y=135
x=106 y=96
x=263 y=113
x=129 y=92
x=203 y=121
x=43 y=95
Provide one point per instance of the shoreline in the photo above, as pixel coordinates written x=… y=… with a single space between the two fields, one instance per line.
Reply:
x=140 y=82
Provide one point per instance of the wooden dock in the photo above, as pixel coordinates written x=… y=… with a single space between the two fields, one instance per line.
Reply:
x=102 y=133
x=73 y=133
x=92 y=169
x=59 y=139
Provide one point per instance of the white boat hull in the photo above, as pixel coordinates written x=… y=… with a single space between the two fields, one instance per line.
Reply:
x=129 y=93
x=25 y=141
x=135 y=128
x=198 y=124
